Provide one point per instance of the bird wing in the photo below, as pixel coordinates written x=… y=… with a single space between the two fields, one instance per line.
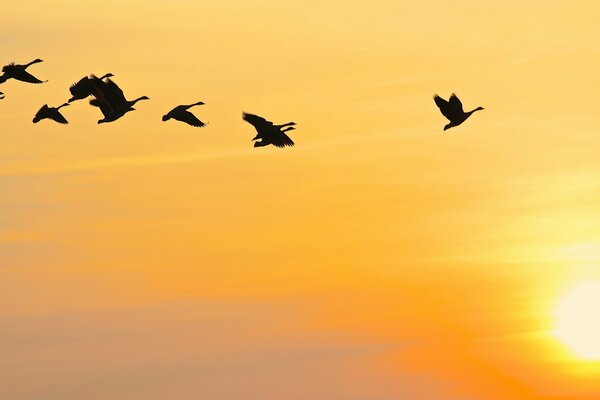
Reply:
x=256 y=121
x=9 y=67
x=444 y=107
x=282 y=140
x=42 y=112
x=25 y=76
x=105 y=108
x=455 y=103
x=115 y=91
x=81 y=87
x=108 y=92
x=189 y=118
x=58 y=117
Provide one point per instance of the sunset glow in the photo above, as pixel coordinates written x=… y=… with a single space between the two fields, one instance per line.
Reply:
x=379 y=258
x=578 y=320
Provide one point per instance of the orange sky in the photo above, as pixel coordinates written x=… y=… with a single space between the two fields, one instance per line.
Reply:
x=380 y=258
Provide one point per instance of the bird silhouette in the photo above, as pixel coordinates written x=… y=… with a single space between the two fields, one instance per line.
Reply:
x=453 y=110
x=268 y=133
x=17 y=71
x=84 y=87
x=110 y=99
x=181 y=113
x=1 y=95
x=52 y=113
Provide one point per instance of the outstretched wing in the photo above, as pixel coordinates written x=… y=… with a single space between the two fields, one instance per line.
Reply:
x=282 y=140
x=190 y=119
x=25 y=76
x=256 y=121
x=455 y=103
x=58 y=117
x=444 y=106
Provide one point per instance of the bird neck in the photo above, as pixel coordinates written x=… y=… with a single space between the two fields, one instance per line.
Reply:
x=473 y=110
x=31 y=63
x=136 y=100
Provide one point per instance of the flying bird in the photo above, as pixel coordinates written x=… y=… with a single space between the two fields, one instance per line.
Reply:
x=110 y=99
x=17 y=71
x=1 y=95
x=84 y=87
x=268 y=133
x=52 y=113
x=181 y=113
x=453 y=110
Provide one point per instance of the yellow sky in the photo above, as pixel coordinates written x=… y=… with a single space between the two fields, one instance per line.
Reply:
x=380 y=258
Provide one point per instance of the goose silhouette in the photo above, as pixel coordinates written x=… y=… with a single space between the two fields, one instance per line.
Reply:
x=52 y=113
x=453 y=110
x=181 y=113
x=268 y=133
x=84 y=87
x=17 y=71
x=110 y=99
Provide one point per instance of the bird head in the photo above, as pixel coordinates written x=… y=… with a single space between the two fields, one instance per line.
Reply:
x=448 y=126
x=165 y=117
x=37 y=60
x=479 y=108
x=36 y=119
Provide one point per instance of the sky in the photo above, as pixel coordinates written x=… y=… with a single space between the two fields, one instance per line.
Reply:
x=380 y=258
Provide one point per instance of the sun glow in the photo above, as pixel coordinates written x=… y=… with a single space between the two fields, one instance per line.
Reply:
x=578 y=320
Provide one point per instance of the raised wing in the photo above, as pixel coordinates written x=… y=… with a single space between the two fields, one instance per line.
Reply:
x=455 y=103
x=444 y=107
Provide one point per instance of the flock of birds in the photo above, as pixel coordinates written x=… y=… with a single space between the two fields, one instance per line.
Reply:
x=110 y=99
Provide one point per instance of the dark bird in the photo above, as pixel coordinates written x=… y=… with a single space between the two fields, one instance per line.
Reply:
x=84 y=87
x=181 y=113
x=18 y=72
x=453 y=110
x=110 y=99
x=268 y=133
x=1 y=95
x=52 y=113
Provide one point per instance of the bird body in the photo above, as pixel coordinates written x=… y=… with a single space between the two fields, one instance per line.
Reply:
x=268 y=133
x=181 y=113
x=52 y=113
x=111 y=100
x=453 y=110
x=17 y=71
